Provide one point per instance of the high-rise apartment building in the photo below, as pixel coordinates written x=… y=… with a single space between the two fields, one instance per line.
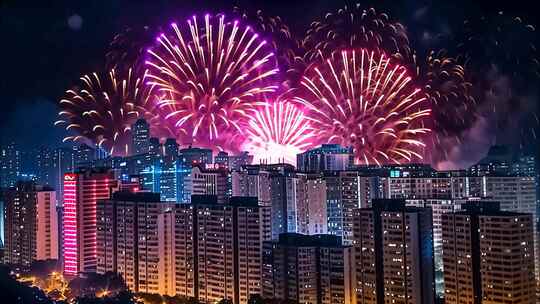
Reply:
x=140 y=137
x=308 y=269
x=31 y=224
x=82 y=190
x=438 y=207
x=394 y=253
x=204 y=181
x=311 y=204
x=488 y=255
x=254 y=181
x=203 y=249
x=132 y=235
x=10 y=165
x=343 y=197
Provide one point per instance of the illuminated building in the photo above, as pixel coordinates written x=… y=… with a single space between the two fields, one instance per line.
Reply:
x=254 y=181
x=237 y=161
x=488 y=256
x=342 y=198
x=417 y=183
x=438 y=208
x=308 y=269
x=154 y=146
x=311 y=204
x=131 y=240
x=394 y=253
x=222 y=158
x=140 y=141
x=10 y=165
x=194 y=155
x=84 y=156
x=328 y=157
x=170 y=148
x=51 y=165
x=82 y=190
x=209 y=181
x=205 y=250
x=31 y=224
x=228 y=249
x=169 y=179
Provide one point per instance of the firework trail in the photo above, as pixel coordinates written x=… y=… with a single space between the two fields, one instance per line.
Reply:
x=278 y=131
x=102 y=110
x=501 y=53
x=356 y=27
x=127 y=49
x=289 y=51
x=208 y=74
x=361 y=99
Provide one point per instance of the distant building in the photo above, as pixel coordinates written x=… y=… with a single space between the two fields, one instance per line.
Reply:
x=237 y=161
x=171 y=149
x=394 y=253
x=488 y=256
x=50 y=167
x=222 y=158
x=308 y=269
x=84 y=156
x=140 y=137
x=194 y=155
x=328 y=157
x=10 y=165
x=168 y=178
x=154 y=146
x=82 y=190
x=31 y=224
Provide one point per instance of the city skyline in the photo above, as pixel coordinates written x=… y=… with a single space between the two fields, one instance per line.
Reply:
x=420 y=21
x=270 y=152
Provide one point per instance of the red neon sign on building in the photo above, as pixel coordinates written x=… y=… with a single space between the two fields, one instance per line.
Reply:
x=70 y=224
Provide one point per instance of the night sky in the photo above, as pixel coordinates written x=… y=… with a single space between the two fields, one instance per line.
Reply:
x=46 y=47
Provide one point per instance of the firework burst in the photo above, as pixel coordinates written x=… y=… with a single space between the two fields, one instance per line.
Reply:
x=208 y=75
x=278 y=131
x=361 y=99
x=102 y=110
x=356 y=27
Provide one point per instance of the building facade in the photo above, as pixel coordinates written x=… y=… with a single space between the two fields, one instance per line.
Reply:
x=308 y=269
x=394 y=253
x=82 y=190
x=488 y=256
x=31 y=224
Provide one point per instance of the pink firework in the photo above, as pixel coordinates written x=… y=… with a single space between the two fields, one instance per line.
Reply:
x=361 y=99
x=208 y=76
x=277 y=131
